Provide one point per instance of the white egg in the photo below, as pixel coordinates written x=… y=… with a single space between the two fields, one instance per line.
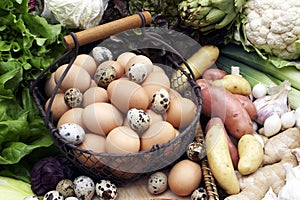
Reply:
x=72 y=132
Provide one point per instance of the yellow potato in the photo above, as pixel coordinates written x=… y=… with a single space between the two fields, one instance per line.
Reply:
x=219 y=159
x=251 y=154
x=235 y=84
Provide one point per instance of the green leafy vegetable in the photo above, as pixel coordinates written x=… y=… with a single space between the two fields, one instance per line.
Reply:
x=28 y=44
x=12 y=189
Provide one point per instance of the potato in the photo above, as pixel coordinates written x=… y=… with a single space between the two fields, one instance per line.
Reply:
x=219 y=102
x=234 y=83
x=232 y=148
x=219 y=159
x=248 y=105
x=251 y=154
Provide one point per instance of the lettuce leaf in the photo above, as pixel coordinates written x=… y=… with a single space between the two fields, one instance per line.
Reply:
x=12 y=189
x=28 y=44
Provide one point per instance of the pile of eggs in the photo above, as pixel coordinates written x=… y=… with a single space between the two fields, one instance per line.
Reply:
x=117 y=106
x=82 y=187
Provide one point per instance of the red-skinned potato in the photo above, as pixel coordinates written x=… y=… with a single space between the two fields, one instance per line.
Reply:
x=232 y=148
x=219 y=102
x=248 y=105
x=212 y=74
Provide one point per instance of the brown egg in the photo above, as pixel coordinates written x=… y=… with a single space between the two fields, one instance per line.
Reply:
x=87 y=62
x=157 y=68
x=50 y=86
x=125 y=94
x=122 y=140
x=139 y=59
x=154 y=82
x=77 y=77
x=101 y=118
x=174 y=93
x=73 y=115
x=177 y=132
x=181 y=112
x=154 y=117
x=124 y=58
x=184 y=177
x=93 y=95
x=93 y=83
x=159 y=132
x=94 y=143
x=119 y=69
x=59 y=107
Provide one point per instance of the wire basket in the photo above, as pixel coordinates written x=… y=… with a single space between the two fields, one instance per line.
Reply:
x=120 y=168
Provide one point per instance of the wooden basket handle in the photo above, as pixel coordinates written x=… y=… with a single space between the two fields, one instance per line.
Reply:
x=105 y=30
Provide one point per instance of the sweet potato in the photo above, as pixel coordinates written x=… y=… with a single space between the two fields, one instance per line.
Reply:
x=232 y=148
x=219 y=102
x=248 y=105
x=212 y=74
x=219 y=159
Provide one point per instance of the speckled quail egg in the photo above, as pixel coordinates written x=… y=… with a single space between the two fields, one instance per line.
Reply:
x=71 y=198
x=73 y=97
x=32 y=198
x=101 y=54
x=53 y=195
x=160 y=101
x=84 y=187
x=137 y=72
x=106 y=190
x=65 y=187
x=157 y=183
x=199 y=194
x=72 y=132
x=138 y=119
x=104 y=75
x=196 y=151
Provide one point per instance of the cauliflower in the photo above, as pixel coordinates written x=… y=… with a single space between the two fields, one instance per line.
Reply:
x=273 y=27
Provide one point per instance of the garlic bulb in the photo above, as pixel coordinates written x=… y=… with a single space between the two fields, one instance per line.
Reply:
x=275 y=102
x=270 y=195
x=289 y=191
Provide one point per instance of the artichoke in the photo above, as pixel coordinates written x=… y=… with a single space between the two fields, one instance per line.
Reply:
x=209 y=15
x=163 y=12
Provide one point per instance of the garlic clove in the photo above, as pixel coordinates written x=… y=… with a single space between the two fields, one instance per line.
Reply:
x=288 y=119
x=297 y=115
x=272 y=125
x=297 y=112
x=259 y=90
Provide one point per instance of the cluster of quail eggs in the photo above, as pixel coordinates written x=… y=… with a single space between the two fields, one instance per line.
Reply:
x=83 y=188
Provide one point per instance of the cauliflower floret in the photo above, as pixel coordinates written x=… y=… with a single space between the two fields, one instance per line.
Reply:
x=274 y=26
